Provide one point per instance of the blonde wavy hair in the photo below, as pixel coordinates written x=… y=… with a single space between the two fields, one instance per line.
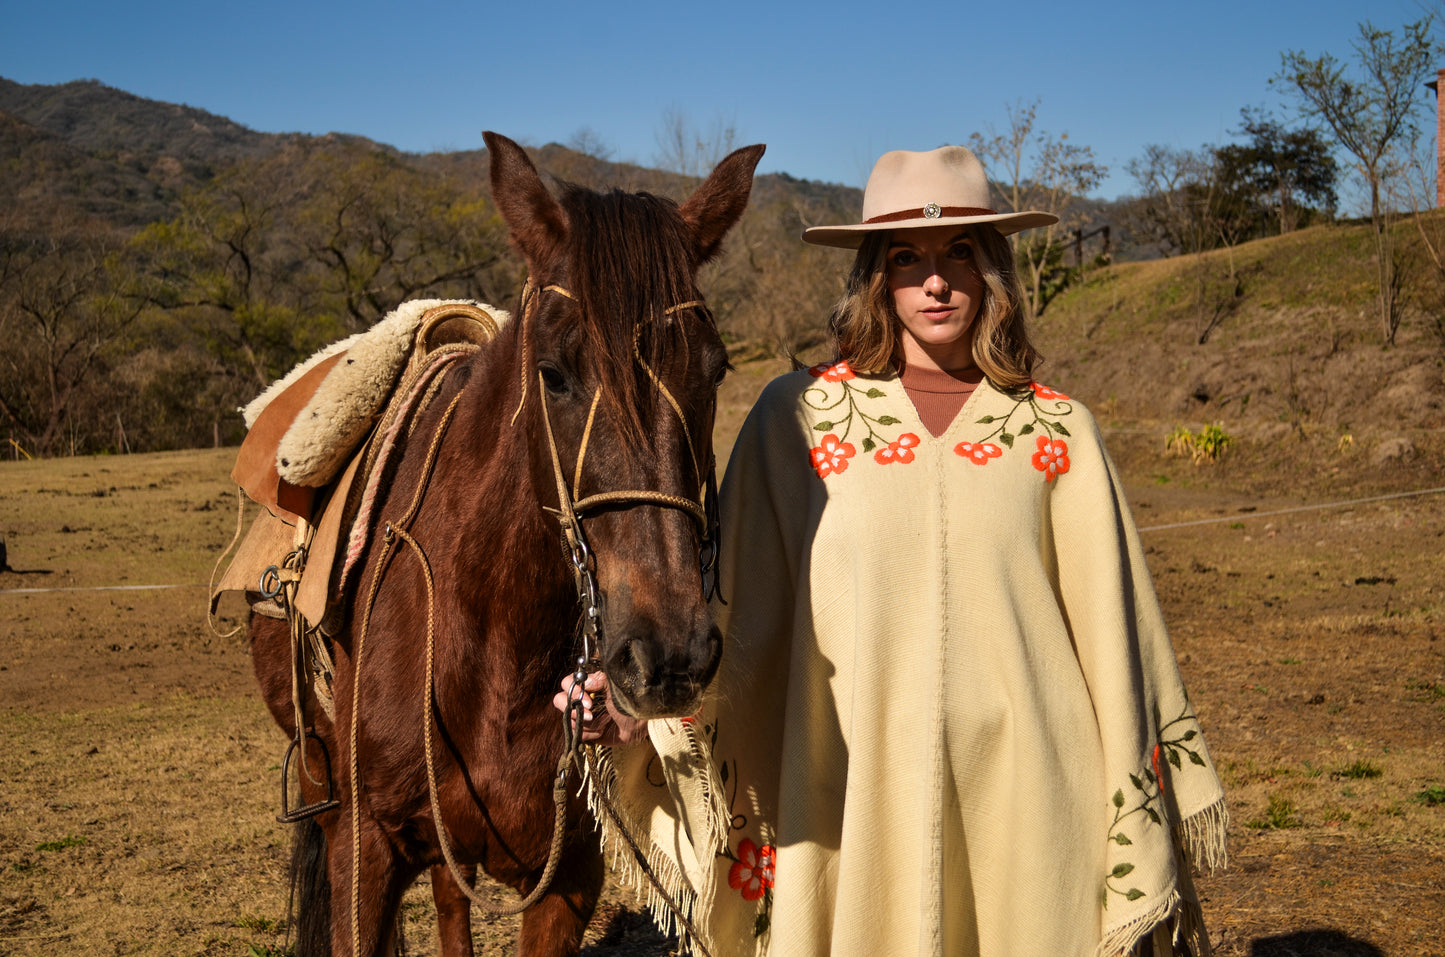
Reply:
x=865 y=327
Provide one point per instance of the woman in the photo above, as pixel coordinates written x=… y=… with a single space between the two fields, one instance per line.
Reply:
x=949 y=719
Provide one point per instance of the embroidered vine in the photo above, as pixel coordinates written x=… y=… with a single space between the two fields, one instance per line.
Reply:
x=1051 y=454
x=1146 y=799
x=752 y=869
x=831 y=455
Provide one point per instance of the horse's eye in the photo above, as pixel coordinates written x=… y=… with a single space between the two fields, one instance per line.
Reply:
x=553 y=378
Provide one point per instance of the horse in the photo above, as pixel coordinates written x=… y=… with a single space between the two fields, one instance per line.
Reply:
x=590 y=410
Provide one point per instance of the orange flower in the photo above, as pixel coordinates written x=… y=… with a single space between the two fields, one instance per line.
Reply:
x=752 y=872
x=899 y=450
x=832 y=371
x=1157 y=776
x=978 y=452
x=832 y=456
x=1044 y=392
x=1052 y=458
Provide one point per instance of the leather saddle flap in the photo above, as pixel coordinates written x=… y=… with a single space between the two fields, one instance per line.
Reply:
x=336 y=516
x=266 y=544
x=255 y=469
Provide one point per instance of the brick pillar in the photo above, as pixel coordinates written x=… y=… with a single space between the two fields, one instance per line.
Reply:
x=1439 y=86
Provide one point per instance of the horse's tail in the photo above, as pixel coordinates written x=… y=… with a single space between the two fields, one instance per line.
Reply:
x=310 y=891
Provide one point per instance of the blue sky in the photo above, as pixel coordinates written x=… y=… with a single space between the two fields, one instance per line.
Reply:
x=828 y=86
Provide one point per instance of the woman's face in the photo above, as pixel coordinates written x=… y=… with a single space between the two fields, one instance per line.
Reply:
x=936 y=289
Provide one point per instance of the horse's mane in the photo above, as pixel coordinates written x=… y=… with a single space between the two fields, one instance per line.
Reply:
x=633 y=260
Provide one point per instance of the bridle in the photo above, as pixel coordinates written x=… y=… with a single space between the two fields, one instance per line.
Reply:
x=569 y=512
x=571 y=508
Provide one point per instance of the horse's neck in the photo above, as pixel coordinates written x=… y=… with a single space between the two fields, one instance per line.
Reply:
x=493 y=500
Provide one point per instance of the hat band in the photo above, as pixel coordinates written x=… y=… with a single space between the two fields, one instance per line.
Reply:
x=931 y=211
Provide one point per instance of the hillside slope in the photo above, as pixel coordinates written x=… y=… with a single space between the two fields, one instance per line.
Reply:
x=1291 y=343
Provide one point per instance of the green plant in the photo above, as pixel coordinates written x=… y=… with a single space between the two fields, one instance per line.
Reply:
x=1359 y=770
x=1206 y=445
x=1280 y=813
x=68 y=840
x=1432 y=796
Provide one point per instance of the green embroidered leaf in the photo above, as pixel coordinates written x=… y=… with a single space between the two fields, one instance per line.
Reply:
x=1121 y=870
x=888 y=420
x=1174 y=758
x=1134 y=894
x=1028 y=427
x=1152 y=816
x=1138 y=784
x=823 y=426
x=1122 y=838
x=985 y=420
x=760 y=926
x=1190 y=735
x=1194 y=758
x=874 y=393
x=1119 y=798
x=1060 y=427
x=1006 y=439
x=869 y=445
x=1149 y=774
x=1157 y=719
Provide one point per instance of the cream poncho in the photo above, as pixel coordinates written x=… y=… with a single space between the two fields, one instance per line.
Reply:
x=948 y=719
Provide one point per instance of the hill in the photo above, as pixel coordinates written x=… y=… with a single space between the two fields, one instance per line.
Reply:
x=1276 y=340
x=217 y=237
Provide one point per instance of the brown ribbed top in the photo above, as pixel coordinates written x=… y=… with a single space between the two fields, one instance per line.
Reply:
x=937 y=395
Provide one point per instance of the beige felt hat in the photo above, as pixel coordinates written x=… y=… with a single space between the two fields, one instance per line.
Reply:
x=906 y=189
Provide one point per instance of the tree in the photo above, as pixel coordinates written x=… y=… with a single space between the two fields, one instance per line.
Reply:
x=1167 y=210
x=1191 y=205
x=1034 y=170
x=1370 y=112
x=63 y=312
x=690 y=150
x=279 y=256
x=1288 y=172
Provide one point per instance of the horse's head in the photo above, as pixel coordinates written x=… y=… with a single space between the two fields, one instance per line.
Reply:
x=620 y=363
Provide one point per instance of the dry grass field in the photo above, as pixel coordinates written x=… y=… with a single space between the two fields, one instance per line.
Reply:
x=139 y=771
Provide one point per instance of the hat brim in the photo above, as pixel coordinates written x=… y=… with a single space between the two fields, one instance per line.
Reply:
x=851 y=237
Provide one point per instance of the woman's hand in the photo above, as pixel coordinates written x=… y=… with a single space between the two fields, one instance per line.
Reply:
x=607 y=726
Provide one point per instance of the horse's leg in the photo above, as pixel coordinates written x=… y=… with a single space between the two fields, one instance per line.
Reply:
x=553 y=926
x=380 y=888
x=454 y=910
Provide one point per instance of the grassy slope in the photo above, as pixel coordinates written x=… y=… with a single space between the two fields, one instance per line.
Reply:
x=1294 y=367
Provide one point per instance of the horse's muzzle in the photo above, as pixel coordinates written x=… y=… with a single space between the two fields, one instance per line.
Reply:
x=654 y=673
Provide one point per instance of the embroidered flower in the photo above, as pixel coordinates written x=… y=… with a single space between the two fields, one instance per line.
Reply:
x=832 y=455
x=1044 y=392
x=1052 y=458
x=978 y=452
x=838 y=371
x=899 y=450
x=752 y=872
x=1158 y=776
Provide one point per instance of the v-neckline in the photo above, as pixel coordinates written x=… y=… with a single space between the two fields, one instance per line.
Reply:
x=938 y=377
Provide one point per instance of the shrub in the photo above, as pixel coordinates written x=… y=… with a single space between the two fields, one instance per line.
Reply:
x=1206 y=445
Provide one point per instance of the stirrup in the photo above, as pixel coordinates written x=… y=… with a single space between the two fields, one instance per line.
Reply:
x=291 y=815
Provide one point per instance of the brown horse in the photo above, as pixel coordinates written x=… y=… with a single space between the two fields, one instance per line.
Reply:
x=604 y=382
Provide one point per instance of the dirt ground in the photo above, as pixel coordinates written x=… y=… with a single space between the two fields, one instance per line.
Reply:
x=139 y=771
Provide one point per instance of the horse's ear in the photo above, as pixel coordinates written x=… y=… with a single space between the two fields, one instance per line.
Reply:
x=537 y=221
x=719 y=202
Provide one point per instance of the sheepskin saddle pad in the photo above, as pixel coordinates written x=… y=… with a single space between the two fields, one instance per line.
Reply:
x=308 y=436
x=361 y=374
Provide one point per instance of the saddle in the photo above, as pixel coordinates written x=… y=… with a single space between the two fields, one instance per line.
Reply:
x=311 y=451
